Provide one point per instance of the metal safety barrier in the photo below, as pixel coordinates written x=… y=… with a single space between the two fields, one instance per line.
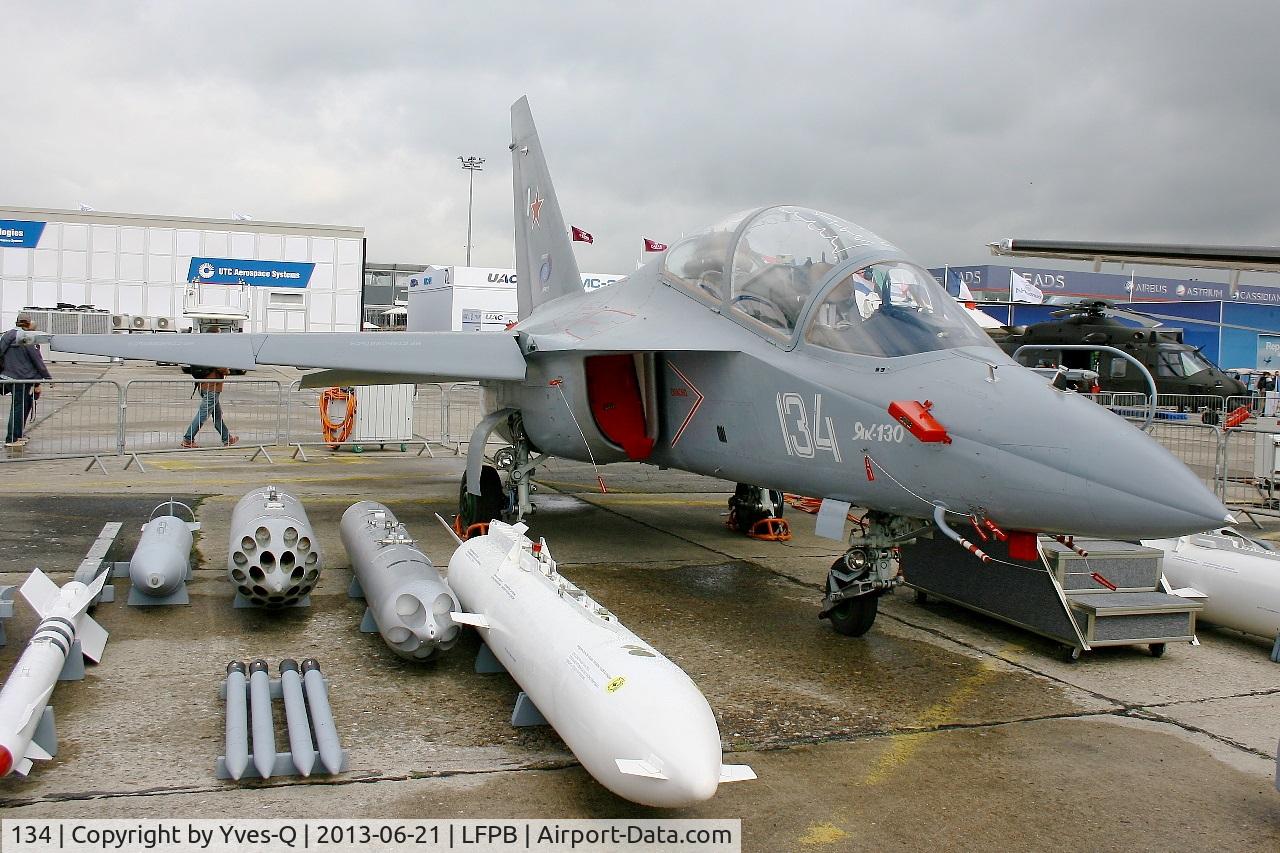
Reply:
x=1198 y=445
x=1122 y=402
x=1249 y=475
x=1190 y=402
x=1255 y=403
x=62 y=419
x=157 y=414
x=463 y=409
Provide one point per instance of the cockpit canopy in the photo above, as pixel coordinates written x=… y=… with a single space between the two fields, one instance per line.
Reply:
x=768 y=265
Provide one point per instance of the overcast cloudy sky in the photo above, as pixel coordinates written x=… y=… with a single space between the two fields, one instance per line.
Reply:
x=939 y=125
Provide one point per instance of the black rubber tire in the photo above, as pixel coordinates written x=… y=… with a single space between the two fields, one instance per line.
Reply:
x=490 y=503
x=854 y=617
x=1156 y=649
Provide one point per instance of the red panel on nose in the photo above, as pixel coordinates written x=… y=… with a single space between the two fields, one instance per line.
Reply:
x=919 y=422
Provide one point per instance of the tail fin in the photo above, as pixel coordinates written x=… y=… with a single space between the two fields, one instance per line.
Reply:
x=40 y=592
x=545 y=266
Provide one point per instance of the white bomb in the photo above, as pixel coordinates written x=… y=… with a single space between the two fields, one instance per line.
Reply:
x=634 y=719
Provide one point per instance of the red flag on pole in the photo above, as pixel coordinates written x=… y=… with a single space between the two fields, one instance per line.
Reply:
x=580 y=235
x=654 y=245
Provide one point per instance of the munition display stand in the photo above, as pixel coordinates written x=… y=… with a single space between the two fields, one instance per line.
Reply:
x=309 y=730
x=6 y=608
x=1062 y=595
x=94 y=562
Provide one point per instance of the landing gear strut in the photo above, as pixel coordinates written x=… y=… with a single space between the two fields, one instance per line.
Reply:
x=752 y=504
x=866 y=571
x=507 y=500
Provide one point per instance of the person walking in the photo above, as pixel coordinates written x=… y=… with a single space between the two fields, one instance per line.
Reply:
x=21 y=362
x=210 y=408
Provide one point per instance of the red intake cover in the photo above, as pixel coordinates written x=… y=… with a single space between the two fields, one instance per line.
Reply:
x=916 y=418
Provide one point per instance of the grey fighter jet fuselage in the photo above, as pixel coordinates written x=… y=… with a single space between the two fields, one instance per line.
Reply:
x=785 y=348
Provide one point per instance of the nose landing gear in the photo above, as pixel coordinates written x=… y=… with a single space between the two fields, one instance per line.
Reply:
x=866 y=571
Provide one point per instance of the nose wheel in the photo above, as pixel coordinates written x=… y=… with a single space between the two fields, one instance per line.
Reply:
x=851 y=617
x=866 y=571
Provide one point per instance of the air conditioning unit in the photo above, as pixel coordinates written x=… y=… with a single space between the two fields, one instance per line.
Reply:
x=120 y=322
x=140 y=324
x=164 y=324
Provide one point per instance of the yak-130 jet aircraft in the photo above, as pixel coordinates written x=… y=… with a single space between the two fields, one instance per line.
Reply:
x=784 y=349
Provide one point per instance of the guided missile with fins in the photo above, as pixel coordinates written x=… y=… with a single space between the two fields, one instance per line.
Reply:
x=634 y=719
x=26 y=723
x=409 y=603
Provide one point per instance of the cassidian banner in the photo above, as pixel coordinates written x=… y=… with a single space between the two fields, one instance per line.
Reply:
x=256 y=273
x=20 y=234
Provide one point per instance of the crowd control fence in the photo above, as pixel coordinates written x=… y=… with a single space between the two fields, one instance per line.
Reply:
x=97 y=419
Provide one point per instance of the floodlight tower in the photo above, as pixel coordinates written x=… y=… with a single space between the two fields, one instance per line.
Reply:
x=472 y=165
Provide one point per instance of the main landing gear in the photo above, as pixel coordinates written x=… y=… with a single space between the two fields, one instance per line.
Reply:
x=757 y=512
x=503 y=497
x=866 y=571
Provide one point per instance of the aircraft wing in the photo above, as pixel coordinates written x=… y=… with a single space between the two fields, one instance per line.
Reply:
x=425 y=356
x=1248 y=258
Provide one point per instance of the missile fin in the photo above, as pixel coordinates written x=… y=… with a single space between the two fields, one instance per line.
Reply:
x=476 y=620
x=35 y=752
x=736 y=773
x=449 y=527
x=92 y=637
x=23 y=767
x=41 y=702
x=640 y=767
x=1188 y=592
x=94 y=588
x=40 y=592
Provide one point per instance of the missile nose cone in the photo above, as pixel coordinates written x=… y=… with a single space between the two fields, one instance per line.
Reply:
x=690 y=786
x=6 y=761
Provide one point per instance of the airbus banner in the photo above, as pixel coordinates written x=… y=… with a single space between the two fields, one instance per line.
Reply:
x=255 y=273
x=20 y=234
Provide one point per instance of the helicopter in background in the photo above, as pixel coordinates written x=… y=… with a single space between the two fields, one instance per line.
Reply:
x=1178 y=367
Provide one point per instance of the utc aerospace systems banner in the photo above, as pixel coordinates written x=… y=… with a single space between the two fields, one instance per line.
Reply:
x=256 y=273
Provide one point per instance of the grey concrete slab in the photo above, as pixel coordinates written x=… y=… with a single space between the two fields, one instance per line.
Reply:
x=1251 y=721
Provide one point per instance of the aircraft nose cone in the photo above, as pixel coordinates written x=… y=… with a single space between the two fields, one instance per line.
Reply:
x=1133 y=487
x=1056 y=461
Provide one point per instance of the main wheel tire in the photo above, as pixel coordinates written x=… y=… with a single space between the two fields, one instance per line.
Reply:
x=1156 y=649
x=854 y=617
x=485 y=507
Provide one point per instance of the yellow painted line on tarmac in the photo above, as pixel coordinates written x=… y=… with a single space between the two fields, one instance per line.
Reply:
x=822 y=833
x=192 y=465
x=648 y=501
x=903 y=747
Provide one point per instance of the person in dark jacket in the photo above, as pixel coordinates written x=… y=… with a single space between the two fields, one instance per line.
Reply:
x=21 y=361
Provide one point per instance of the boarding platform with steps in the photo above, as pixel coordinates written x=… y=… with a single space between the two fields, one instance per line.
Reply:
x=1113 y=595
